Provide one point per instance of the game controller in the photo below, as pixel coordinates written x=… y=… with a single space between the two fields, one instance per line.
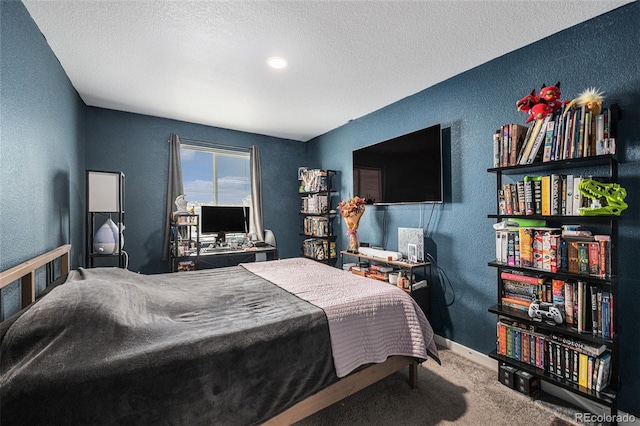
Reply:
x=539 y=311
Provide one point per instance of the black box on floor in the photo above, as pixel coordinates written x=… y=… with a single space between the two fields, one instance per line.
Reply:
x=527 y=383
x=506 y=375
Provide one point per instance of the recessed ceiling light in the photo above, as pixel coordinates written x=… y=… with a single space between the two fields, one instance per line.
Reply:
x=277 y=62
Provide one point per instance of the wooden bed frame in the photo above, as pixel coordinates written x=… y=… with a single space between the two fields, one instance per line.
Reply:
x=354 y=382
x=26 y=272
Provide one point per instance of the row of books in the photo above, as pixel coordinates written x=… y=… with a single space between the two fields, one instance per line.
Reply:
x=317 y=226
x=552 y=195
x=315 y=204
x=319 y=249
x=585 y=306
x=582 y=363
x=574 y=134
x=312 y=180
x=555 y=250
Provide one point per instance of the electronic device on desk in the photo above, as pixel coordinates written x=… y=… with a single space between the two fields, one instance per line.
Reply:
x=224 y=219
x=380 y=254
x=261 y=244
x=547 y=312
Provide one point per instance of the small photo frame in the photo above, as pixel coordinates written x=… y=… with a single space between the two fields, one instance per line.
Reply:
x=412 y=253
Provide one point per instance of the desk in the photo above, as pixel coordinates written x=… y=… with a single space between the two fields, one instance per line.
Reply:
x=219 y=258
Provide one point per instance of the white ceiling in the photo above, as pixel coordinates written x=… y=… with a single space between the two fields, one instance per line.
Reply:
x=205 y=61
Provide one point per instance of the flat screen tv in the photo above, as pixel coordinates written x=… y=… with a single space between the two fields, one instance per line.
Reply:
x=224 y=219
x=405 y=169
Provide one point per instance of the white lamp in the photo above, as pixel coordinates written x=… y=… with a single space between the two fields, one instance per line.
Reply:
x=103 y=191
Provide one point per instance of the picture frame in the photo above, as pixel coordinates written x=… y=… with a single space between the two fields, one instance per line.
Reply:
x=412 y=250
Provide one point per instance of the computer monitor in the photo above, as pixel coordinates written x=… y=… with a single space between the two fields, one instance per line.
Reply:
x=224 y=219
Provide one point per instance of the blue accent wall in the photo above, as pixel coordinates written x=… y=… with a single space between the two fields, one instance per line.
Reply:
x=603 y=52
x=137 y=145
x=41 y=148
x=48 y=137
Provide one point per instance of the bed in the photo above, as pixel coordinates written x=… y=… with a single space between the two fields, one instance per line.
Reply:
x=260 y=343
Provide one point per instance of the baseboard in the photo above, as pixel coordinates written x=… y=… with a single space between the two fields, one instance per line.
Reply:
x=466 y=352
x=565 y=395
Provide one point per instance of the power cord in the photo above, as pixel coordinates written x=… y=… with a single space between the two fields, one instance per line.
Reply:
x=444 y=279
x=126 y=259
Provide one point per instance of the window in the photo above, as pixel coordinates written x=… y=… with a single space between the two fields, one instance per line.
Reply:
x=215 y=177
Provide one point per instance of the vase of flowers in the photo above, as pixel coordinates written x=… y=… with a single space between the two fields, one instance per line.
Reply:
x=352 y=210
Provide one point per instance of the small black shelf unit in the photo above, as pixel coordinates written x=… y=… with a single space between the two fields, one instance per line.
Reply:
x=317 y=199
x=421 y=294
x=105 y=198
x=609 y=165
x=184 y=242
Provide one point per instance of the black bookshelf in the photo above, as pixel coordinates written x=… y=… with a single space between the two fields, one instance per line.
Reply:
x=605 y=224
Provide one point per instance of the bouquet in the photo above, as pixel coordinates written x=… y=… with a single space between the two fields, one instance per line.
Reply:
x=352 y=210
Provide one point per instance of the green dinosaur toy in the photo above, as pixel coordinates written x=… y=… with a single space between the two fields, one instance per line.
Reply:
x=606 y=198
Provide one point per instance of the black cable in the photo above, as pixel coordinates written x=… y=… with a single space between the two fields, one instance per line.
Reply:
x=426 y=231
x=444 y=279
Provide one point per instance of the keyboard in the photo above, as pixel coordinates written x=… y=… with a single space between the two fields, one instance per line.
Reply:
x=220 y=249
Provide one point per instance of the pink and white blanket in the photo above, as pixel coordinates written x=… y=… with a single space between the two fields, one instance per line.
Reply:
x=368 y=320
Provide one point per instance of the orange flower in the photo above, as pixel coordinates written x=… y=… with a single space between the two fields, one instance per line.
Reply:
x=352 y=210
x=352 y=207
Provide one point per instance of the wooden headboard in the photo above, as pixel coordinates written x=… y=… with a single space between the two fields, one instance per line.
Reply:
x=25 y=272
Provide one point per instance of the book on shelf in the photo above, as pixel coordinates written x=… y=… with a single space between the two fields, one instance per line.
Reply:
x=577 y=195
x=604 y=243
x=524 y=142
x=550 y=249
x=520 y=277
x=517 y=133
x=546 y=195
x=507 y=144
x=529 y=206
x=520 y=289
x=562 y=210
x=582 y=346
x=534 y=129
x=504 y=130
x=316 y=226
x=521 y=197
x=496 y=149
x=517 y=341
x=568 y=305
x=583 y=257
x=575 y=133
x=526 y=246
x=508 y=199
x=548 y=141
x=604 y=372
x=555 y=194
x=312 y=180
x=537 y=194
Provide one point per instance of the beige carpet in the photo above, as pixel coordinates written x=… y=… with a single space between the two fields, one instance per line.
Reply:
x=460 y=391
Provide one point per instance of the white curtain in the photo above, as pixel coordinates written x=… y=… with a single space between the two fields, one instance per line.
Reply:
x=256 y=191
x=174 y=188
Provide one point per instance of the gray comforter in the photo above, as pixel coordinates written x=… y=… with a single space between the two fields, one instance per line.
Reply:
x=207 y=347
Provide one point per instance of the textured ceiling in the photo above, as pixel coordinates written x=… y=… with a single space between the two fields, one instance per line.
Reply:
x=205 y=61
